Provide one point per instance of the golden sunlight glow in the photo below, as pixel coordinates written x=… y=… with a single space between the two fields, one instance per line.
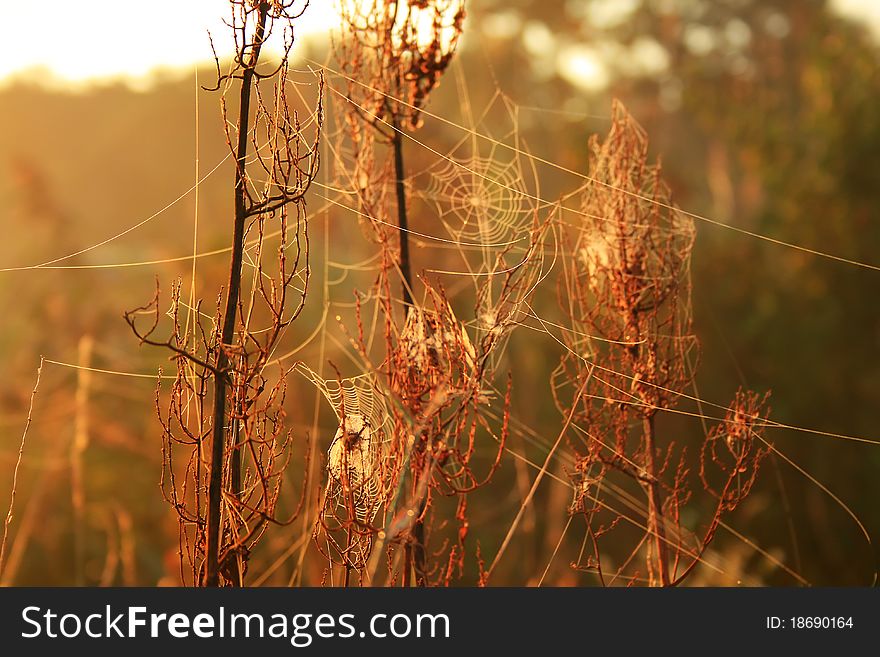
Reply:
x=362 y=15
x=64 y=42
x=74 y=42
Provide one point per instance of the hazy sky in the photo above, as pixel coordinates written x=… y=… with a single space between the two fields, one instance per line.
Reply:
x=86 y=39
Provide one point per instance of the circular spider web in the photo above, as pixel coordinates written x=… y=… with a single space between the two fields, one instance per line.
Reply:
x=479 y=199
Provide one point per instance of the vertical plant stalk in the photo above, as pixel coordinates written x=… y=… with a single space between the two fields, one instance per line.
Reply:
x=77 y=449
x=414 y=553
x=32 y=517
x=655 y=503
x=402 y=219
x=10 y=510
x=237 y=429
x=630 y=286
x=398 y=51
x=215 y=493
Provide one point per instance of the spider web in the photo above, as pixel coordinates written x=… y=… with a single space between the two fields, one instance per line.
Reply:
x=359 y=462
x=481 y=192
x=479 y=196
x=480 y=199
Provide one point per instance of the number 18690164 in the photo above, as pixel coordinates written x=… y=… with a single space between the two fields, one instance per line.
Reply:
x=809 y=623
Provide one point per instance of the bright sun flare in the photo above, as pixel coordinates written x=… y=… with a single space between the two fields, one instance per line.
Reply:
x=74 y=42
x=88 y=39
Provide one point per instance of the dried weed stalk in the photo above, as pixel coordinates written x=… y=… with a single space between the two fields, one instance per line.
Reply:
x=225 y=408
x=439 y=370
x=626 y=293
x=393 y=54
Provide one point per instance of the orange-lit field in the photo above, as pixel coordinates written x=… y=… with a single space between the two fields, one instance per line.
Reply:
x=423 y=294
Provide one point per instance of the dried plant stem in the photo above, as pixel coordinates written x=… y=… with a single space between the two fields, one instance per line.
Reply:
x=402 y=220
x=127 y=547
x=111 y=561
x=414 y=553
x=215 y=494
x=30 y=520
x=655 y=503
x=77 y=450
x=27 y=426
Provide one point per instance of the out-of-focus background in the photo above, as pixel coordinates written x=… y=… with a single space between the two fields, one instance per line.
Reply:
x=765 y=114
